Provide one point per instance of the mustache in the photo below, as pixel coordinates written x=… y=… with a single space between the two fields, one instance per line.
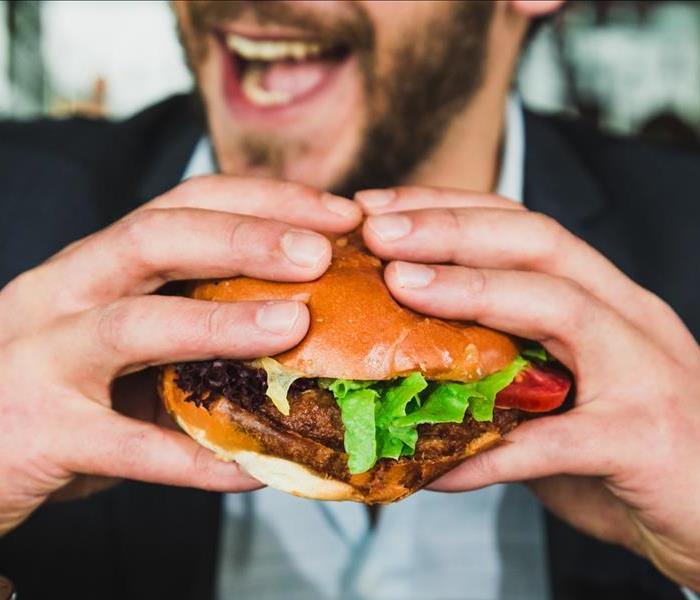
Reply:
x=353 y=28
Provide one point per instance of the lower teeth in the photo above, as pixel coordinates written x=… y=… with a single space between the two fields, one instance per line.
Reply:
x=252 y=87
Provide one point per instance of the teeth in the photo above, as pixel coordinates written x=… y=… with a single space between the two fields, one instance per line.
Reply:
x=269 y=50
x=252 y=88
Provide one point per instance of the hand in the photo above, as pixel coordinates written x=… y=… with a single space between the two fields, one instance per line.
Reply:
x=74 y=325
x=623 y=464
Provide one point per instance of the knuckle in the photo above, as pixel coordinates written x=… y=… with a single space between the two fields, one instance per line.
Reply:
x=115 y=326
x=22 y=285
x=197 y=186
x=656 y=304
x=242 y=242
x=407 y=193
x=200 y=458
x=130 y=447
x=474 y=282
x=296 y=191
x=137 y=232
x=239 y=236
x=548 y=235
x=575 y=307
x=455 y=220
x=253 y=239
x=485 y=463
x=456 y=224
x=212 y=326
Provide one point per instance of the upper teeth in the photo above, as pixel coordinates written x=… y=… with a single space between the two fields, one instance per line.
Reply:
x=271 y=49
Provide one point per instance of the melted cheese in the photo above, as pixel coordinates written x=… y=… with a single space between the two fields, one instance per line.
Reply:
x=279 y=378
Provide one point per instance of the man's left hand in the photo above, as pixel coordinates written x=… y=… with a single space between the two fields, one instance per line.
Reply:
x=624 y=464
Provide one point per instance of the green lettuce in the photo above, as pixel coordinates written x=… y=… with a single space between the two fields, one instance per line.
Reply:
x=357 y=409
x=536 y=352
x=381 y=417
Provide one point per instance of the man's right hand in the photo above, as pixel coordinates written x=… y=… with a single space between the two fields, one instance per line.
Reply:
x=87 y=316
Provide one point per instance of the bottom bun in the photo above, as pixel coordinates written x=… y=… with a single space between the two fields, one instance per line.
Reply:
x=289 y=462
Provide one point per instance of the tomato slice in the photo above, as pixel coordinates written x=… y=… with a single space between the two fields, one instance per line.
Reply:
x=536 y=389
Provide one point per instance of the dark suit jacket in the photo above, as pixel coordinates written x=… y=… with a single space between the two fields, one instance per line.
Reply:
x=62 y=180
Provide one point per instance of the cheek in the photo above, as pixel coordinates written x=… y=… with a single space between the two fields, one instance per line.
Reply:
x=397 y=22
x=397 y=26
x=208 y=72
x=194 y=43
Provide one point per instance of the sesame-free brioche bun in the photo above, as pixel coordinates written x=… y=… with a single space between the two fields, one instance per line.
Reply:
x=357 y=331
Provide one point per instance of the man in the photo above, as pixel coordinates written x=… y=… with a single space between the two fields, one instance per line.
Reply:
x=345 y=96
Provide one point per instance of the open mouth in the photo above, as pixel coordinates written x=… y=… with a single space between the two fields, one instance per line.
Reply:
x=272 y=74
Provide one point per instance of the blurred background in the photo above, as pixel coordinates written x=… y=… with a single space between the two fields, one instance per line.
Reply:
x=629 y=67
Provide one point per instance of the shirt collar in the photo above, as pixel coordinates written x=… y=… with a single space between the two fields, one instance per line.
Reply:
x=202 y=160
x=510 y=178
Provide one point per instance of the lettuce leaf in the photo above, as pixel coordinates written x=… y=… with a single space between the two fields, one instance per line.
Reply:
x=381 y=417
x=340 y=387
x=357 y=408
x=392 y=440
x=536 y=352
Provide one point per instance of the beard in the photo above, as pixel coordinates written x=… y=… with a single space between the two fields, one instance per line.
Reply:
x=434 y=73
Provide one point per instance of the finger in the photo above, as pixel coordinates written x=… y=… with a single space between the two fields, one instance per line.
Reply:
x=539 y=448
x=140 y=253
x=497 y=239
x=291 y=203
x=520 y=240
x=112 y=445
x=137 y=332
x=404 y=198
x=571 y=323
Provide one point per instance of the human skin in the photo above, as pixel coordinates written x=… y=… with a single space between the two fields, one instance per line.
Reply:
x=592 y=466
x=78 y=333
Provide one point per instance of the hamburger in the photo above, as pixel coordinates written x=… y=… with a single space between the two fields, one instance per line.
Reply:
x=373 y=404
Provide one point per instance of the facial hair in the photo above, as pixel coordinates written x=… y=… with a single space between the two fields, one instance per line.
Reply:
x=434 y=73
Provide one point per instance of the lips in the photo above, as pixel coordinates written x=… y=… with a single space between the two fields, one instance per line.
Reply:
x=272 y=75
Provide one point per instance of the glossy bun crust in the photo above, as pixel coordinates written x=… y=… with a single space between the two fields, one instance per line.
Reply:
x=357 y=331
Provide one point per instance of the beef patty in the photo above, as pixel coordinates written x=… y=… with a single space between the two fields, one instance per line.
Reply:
x=314 y=413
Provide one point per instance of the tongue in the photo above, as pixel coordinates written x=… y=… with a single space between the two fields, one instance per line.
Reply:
x=295 y=79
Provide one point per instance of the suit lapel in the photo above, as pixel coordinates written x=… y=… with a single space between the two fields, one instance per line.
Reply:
x=557 y=181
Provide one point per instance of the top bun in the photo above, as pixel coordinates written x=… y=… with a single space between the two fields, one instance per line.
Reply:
x=358 y=330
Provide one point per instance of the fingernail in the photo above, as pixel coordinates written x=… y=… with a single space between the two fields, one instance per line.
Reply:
x=303 y=248
x=339 y=206
x=389 y=228
x=277 y=317
x=375 y=198
x=410 y=275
